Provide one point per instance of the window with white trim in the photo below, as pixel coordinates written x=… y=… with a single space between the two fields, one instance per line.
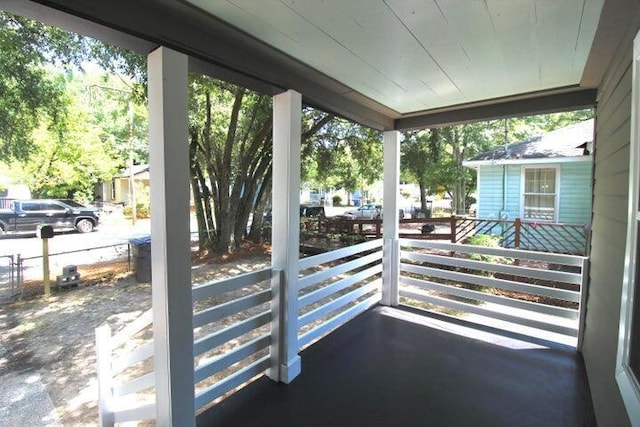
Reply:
x=628 y=361
x=540 y=194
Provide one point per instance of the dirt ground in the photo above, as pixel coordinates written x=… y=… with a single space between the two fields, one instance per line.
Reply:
x=55 y=337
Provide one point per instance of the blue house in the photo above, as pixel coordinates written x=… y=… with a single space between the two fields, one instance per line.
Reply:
x=544 y=179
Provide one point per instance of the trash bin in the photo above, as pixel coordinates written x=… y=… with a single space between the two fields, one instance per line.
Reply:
x=141 y=252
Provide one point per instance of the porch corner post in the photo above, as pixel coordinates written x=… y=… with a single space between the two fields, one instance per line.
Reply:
x=170 y=245
x=390 y=217
x=287 y=112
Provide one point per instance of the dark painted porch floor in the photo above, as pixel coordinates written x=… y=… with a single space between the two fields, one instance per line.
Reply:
x=392 y=367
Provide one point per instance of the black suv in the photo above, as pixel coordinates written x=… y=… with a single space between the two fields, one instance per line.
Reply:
x=27 y=215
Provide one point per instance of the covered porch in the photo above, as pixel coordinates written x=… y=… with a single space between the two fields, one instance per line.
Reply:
x=394 y=366
x=380 y=365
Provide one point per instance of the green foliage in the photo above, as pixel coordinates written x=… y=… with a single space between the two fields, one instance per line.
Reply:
x=337 y=153
x=29 y=94
x=487 y=241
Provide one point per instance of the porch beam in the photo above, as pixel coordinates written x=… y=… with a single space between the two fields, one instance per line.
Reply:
x=170 y=251
x=390 y=217
x=287 y=112
x=551 y=101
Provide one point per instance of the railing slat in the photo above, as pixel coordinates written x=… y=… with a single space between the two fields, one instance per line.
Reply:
x=558 y=276
x=337 y=303
x=217 y=364
x=321 y=276
x=218 y=287
x=456 y=305
x=535 y=307
x=229 y=308
x=563 y=259
x=216 y=390
x=144 y=320
x=491 y=282
x=145 y=411
x=218 y=338
x=337 y=320
x=139 y=354
x=338 y=285
x=330 y=256
x=135 y=385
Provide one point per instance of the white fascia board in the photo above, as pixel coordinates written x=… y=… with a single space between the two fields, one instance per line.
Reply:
x=477 y=163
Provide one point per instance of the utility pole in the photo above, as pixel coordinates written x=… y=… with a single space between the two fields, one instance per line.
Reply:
x=132 y=177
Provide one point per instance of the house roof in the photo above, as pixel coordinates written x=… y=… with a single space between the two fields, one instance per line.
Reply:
x=567 y=142
x=137 y=170
x=388 y=64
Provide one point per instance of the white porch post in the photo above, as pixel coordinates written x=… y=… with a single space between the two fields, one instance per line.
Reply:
x=287 y=110
x=170 y=252
x=391 y=249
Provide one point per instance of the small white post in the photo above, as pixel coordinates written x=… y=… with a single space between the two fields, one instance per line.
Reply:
x=390 y=217
x=170 y=245
x=103 y=362
x=287 y=110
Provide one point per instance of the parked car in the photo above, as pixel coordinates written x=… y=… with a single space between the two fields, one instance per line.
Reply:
x=367 y=211
x=27 y=215
x=311 y=211
x=306 y=211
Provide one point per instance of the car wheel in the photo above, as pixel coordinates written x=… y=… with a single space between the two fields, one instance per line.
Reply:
x=84 y=226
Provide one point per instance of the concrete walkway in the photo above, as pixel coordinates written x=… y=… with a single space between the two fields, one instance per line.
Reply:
x=24 y=402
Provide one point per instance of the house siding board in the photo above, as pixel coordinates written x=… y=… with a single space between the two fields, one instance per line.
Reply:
x=574 y=205
x=490 y=191
x=608 y=240
x=514 y=176
x=490 y=182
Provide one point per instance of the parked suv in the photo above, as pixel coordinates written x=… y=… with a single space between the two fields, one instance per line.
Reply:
x=27 y=215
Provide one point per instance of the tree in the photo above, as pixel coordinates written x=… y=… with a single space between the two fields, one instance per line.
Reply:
x=68 y=154
x=340 y=154
x=28 y=92
x=420 y=154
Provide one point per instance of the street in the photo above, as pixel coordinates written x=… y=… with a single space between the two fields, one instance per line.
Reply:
x=112 y=236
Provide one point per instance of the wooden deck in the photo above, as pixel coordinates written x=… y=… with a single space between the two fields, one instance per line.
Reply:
x=394 y=367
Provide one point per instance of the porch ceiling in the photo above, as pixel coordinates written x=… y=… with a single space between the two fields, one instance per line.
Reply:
x=420 y=55
x=389 y=64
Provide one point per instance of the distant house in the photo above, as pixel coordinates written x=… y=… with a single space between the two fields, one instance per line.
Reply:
x=544 y=179
x=119 y=190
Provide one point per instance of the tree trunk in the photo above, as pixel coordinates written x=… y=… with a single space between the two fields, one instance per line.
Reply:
x=263 y=201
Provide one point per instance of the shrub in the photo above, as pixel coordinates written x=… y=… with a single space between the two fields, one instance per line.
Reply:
x=337 y=200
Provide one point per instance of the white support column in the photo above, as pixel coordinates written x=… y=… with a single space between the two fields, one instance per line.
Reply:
x=391 y=249
x=170 y=251
x=287 y=110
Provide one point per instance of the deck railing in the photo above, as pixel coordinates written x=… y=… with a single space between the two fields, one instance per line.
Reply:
x=121 y=399
x=336 y=286
x=536 y=290
x=233 y=318
x=237 y=311
x=517 y=234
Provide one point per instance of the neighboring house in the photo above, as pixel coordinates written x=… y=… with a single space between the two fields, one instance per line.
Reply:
x=546 y=178
x=119 y=190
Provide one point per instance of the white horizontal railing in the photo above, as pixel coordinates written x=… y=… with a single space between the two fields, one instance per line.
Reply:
x=446 y=277
x=236 y=297
x=119 y=400
x=214 y=327
x=336 y=286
